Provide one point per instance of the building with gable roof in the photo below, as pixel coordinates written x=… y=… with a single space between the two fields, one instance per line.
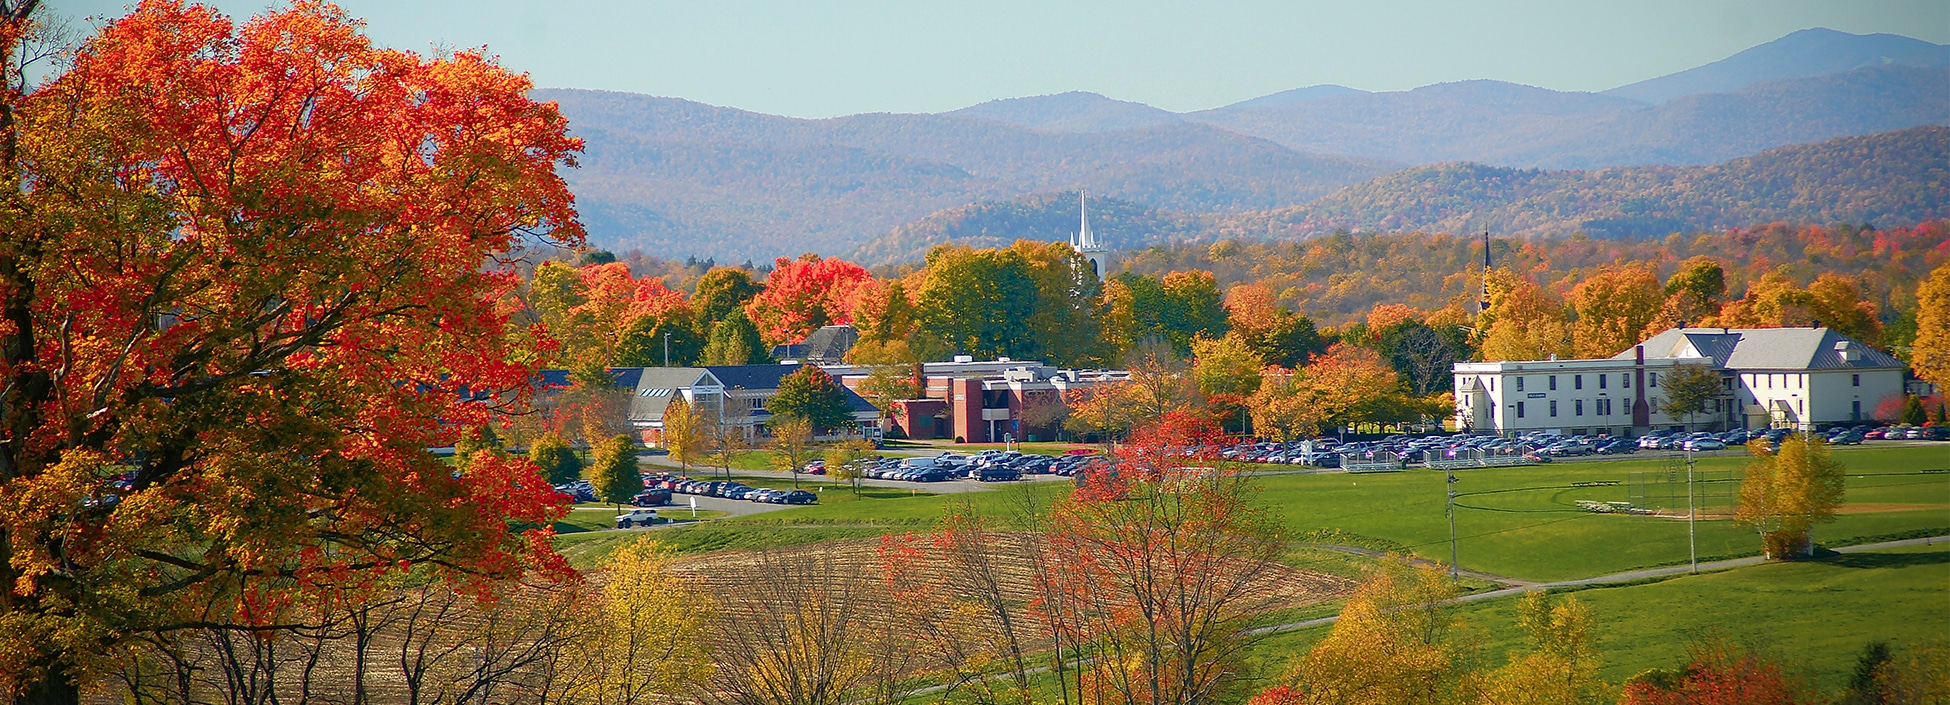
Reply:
x=1771 y=377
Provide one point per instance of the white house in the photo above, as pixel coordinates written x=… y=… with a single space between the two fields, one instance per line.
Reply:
x=1787 y=377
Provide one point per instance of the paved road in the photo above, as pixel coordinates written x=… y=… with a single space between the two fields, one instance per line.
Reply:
x=1625 y=577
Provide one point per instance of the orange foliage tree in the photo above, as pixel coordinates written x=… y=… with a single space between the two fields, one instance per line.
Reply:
x=804 y=294
x=243 y=291
x=1614 y=307
x=1525 y=321
x=1719 y=673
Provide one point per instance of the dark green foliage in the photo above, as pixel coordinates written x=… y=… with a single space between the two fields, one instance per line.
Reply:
x=596 y=257
x=979 y=302
x=721 y=291
x=1424 y=355
x=811 y=394
x=1686 y=389
x=557 y=461
x=1702 y=277
x=1913 y=411
x=1175 y=308
x=642 y=342
x=1288 y=341
x=1862 y=688
x=613 y=472
x=734 y=341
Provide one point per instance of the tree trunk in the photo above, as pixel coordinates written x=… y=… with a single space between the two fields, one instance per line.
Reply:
x=54 y=688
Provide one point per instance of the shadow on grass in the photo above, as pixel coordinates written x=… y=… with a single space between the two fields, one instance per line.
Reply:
x=1888 y=560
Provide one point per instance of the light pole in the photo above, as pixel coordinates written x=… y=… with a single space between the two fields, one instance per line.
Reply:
x=1452 y=524
x=666 y=350
x=1692 y=515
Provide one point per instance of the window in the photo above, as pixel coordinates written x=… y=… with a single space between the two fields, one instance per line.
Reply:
x=1520 y=410
x=1855 y=411
x=1577 y=407
x=1553 y=383
x=1553 y=408
x=1492 y=383
x=1654 y=382
x=1601 y=380
x=1519 y=384
x=1625 y=381
x=1577 y=381
x=1855 y=381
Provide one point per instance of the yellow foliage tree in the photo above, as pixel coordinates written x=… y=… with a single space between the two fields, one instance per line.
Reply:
x=647 y=645
x=1525 y=321
x=1561 y=666
x=1929 y=355
x=1787 y=492
x=1614 y=306
x=1388 y=645
x=683 y=432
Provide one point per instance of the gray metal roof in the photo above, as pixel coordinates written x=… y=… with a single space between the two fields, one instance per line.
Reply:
x=656 y=386
x=1765 y=349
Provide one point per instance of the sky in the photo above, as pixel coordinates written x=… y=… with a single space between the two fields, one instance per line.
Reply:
x=822 y=59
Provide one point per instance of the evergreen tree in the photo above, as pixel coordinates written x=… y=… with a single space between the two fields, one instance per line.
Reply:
x=1913 y=413
x=734 y=341
x=613 y=472
x=558 y=462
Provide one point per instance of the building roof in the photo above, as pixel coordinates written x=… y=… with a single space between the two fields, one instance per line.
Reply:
x=656 y=386
x=1766 y=349
x=766 y=378
x=828 y=345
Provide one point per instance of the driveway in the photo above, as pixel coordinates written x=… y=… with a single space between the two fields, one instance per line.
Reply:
x=815 y=481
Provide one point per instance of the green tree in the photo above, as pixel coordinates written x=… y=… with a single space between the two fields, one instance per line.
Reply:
x=979 y=302
x=1786 y=492
x=1700 y=276
x=720 y=292
x=811 y=394
x=613 y=472
x=1179 y=307
x=1068 y=317
x=1913 y=412
x=1687 y=389
x=735 y=341
x=558 y=462
x=642 y=342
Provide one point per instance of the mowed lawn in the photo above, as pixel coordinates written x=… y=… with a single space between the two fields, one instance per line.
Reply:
x=1525 y=523
x=1814 y=616
x=1521 y=523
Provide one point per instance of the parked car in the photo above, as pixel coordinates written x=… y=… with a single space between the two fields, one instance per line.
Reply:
x=639 y=517
x=798 y=497
x=653 y=497
x=1705 y=444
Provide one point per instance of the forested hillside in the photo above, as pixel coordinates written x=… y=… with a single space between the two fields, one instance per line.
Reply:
x=1339 y=278
x=1892 y=178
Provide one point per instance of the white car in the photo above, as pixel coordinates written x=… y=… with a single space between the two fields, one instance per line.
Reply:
x=639 y=517
x=1702 y=444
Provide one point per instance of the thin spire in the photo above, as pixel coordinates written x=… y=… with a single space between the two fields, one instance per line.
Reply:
x=1085 y=239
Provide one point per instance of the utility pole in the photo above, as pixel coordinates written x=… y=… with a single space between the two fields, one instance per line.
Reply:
x=666 y=350
x=1692 y=515
x=1452 y=524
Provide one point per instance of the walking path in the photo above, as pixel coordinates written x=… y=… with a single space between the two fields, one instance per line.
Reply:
x=1520 y=587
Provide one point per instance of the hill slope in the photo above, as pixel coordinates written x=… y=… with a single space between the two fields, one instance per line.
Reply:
x=1885 y=179
x=675 y=177
x=1075 y=111
x=1044 y=216
x=1803 y=54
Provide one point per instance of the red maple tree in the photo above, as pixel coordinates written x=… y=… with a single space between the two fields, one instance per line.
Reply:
x=248 y=276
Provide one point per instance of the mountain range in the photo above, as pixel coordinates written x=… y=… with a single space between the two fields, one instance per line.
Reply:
x=675 y=177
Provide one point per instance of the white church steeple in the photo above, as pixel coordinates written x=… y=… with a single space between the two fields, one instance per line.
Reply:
x=1085 y=242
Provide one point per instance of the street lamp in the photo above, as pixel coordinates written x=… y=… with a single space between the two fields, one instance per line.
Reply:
x=666 y=349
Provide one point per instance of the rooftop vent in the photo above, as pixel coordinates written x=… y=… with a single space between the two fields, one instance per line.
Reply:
x=1848 y=352
x=964 y=358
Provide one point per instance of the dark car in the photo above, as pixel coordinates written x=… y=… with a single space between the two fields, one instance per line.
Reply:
x=997 y=474
x=653 y=497
x=798 y=497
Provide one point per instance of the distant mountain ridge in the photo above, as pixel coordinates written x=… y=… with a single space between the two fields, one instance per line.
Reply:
x=1888 y=179
x=1803 y=54
x=676 y=177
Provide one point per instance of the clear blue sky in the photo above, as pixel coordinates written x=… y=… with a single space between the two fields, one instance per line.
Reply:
x=819 y=59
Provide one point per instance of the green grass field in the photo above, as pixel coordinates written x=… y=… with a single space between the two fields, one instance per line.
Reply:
x=1815 y=617
x=1521 y=523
